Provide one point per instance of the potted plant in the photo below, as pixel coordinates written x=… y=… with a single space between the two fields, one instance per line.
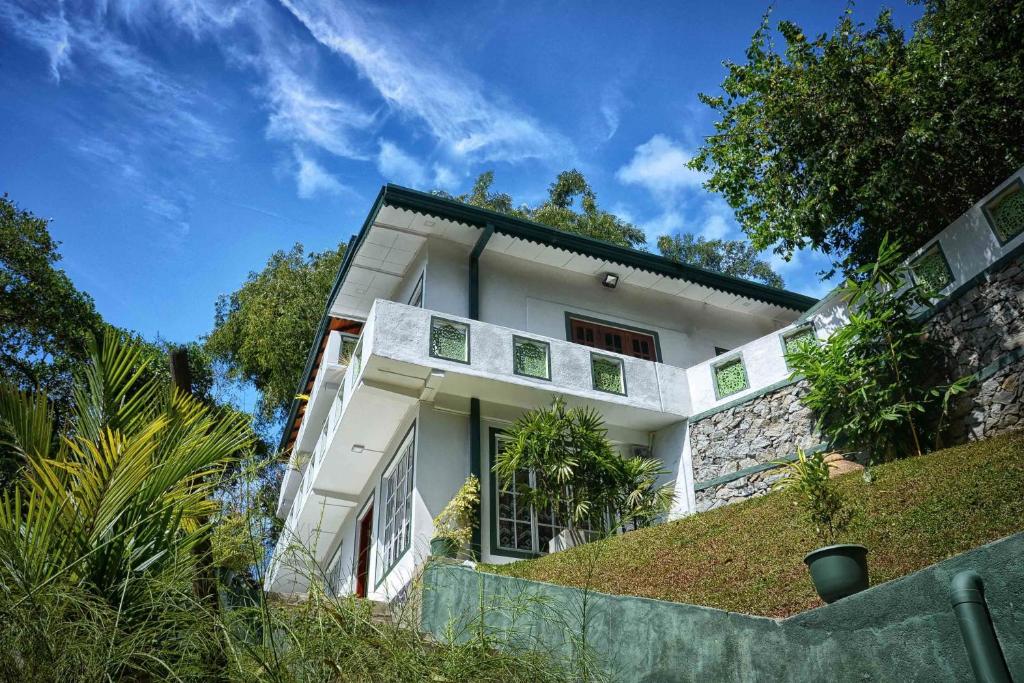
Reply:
x=453 y=527
x=837 y=570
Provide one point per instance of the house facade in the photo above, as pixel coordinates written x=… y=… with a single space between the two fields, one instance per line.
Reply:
x=445 y=324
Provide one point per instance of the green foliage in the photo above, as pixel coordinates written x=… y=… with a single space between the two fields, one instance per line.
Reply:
x=874 y=384
x=559 y=210
x=459 y=516
x=795 y=340
x=835 y=140
x=44 y=320
x=748 y=557
x=808 y=477
x=730 y=377
x=263 y=331
x=577 y=468
x=729 y=257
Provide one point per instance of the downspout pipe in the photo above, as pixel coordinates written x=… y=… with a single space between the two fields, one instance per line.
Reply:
x=474 y=271
x=474 y=403
x=967 y=595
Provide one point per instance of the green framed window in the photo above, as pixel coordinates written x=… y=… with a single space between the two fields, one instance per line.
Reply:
x=932 y=270
x=730 y=377
x=794 y=339
x=1005 y=213
x=449 y=340
x=519 y=529
x=531 y=358
x=608 y=374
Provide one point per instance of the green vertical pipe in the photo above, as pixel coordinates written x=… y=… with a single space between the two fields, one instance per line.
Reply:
x=474 y=467
x=474 y=272
x=967 y=594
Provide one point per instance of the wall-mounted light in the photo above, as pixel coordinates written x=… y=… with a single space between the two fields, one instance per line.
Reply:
x=610 y=280
x=358 y=448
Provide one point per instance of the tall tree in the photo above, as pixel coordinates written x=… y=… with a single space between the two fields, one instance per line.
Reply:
x=730 y=257
x=44 y=320
x=264 y=330
x=837 y=139
x=560 y=210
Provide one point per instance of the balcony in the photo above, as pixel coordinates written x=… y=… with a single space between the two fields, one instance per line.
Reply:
x=406 y=355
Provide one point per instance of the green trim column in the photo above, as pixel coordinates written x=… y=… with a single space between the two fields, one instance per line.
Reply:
x=474 y=469
x=474 y=272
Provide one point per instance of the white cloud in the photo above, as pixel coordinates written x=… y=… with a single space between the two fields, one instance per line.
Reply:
x=313 y=179
x=659 y=165
x=456 y=111
x=445 y=178
x=612 y=102
x=397 y=166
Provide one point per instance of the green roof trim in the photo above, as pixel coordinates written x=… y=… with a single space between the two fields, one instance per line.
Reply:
x=426 y=203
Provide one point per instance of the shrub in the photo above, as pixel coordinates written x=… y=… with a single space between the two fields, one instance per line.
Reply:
x=809 y=477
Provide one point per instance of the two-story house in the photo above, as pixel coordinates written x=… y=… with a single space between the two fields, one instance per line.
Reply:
x=445 y=324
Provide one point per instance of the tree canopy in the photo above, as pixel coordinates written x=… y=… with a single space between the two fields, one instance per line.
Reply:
x=834 y=140
x=559 y=210
x=263 y=330
x=44 y=320
x=730 y=257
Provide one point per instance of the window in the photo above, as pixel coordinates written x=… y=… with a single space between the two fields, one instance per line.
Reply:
x=396 y=493
x=334 y=573
x=730 y=377
x=932 y=270
x=794 y=339
x=614 y=338
x=607 y=374
x=348 y=346
x=519 y=529
x=417 y=294
x=1005 y=213
x=531 y=358
x=449 y=340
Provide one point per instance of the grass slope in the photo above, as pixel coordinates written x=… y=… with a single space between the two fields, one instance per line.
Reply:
x=748 y=557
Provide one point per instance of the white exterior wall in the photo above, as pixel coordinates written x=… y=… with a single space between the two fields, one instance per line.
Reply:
x=535 y=298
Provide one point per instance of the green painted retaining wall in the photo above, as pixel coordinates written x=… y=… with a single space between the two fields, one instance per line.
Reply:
x=903 y=630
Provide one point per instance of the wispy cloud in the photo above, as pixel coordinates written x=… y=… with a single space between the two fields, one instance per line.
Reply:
x=313 y=179
x=455 y=109
x=397 y=166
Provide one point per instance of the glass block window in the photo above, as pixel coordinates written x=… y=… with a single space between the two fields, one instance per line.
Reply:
x=793 y=340
x=449 y=340
x=531 y=358
x=396 y=491
x=730 y=377
x=608 y=374
x=522 y=527
x=1006 y=212
x=932 y=270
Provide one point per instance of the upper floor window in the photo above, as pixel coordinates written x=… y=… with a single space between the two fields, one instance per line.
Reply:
x=335 y=574
x=615 y=338
x=396 y=491
x=417 y=294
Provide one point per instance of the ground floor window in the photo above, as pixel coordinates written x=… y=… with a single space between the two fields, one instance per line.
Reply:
x=396 y=492
x=521 y=528
x=335 y=574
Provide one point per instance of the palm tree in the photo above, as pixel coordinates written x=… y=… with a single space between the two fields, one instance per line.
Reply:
x=121 y=497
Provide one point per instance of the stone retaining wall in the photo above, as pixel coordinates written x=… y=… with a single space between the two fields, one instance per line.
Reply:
x=981 y=330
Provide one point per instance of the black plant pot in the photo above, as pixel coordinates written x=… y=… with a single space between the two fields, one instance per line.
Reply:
x=838 y=570
x=444 y=547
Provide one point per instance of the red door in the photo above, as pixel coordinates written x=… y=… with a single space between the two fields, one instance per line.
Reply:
x=613 y=339
x=363 y=559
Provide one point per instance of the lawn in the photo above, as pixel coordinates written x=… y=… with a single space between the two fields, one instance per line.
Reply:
x=748 y=557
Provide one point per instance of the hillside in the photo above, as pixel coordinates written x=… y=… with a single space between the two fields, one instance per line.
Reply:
x=748 y=557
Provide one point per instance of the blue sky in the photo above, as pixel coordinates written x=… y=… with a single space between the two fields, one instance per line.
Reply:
x=175 y=144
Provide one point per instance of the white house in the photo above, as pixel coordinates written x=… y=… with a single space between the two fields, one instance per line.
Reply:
x=446 y=322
